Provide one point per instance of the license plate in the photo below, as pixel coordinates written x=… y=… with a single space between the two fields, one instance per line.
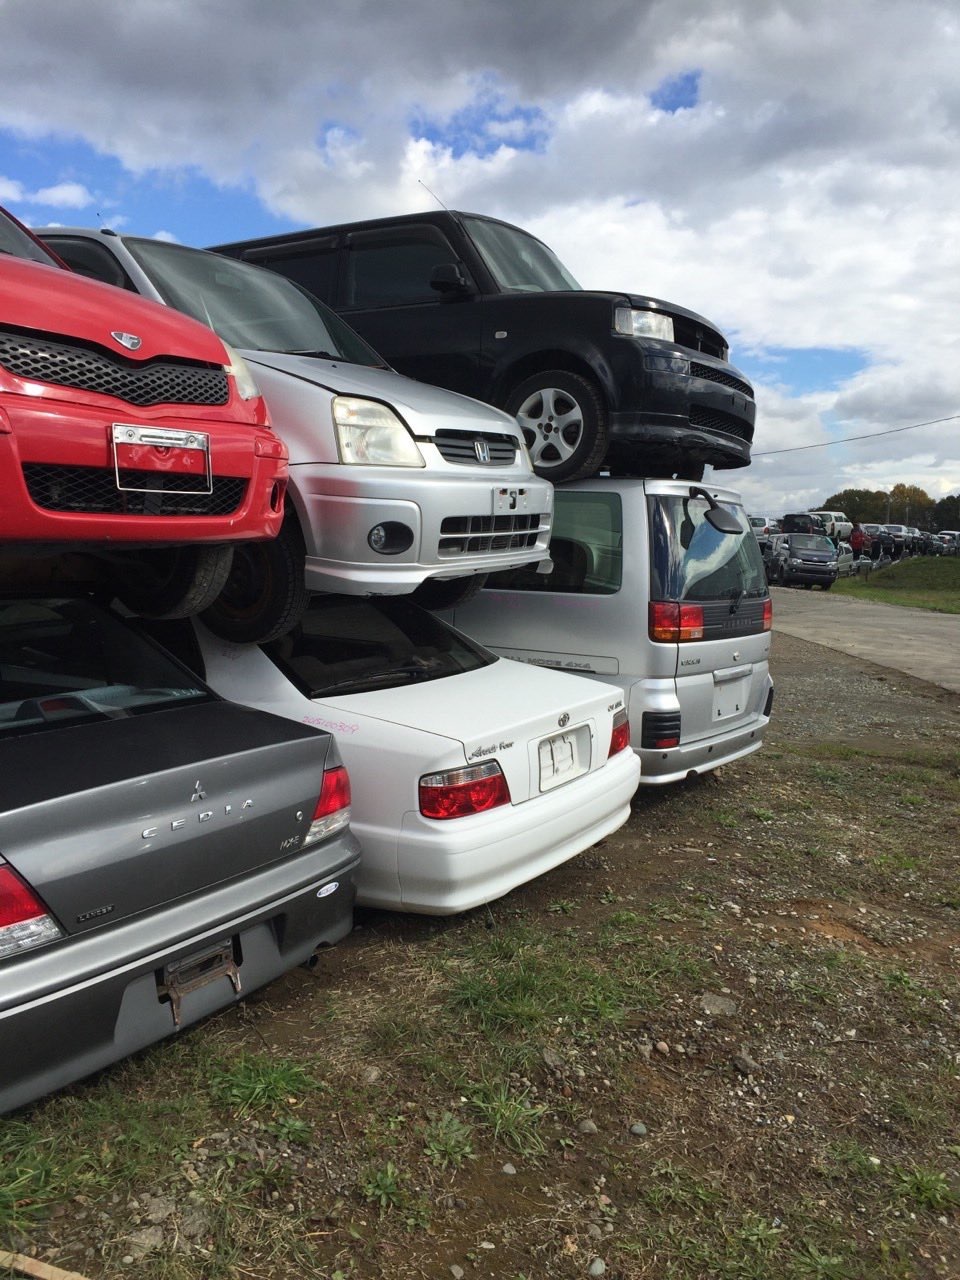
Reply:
x=563 y=756
x=203 y=967
x=506 y=500
x=730 y=698
x=175 y=461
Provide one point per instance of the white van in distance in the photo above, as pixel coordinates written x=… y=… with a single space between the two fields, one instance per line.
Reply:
x=657 y=587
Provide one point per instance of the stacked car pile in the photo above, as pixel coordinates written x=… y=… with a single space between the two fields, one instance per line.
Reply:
x=226 y=712
x=163 y=850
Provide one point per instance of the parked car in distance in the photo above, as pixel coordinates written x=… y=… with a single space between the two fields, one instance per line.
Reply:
x=163 y=852
x=835 y=524
x=802 y=522
x=396 y=487
x=807 y=559
x=882 y=543
x=926 y=543
x=902 y=539
x=763 y=527
x=951 y=541
x=482 y=307
x=129 y=431
x=845 y=560
x=657 y=587
x=470 y=775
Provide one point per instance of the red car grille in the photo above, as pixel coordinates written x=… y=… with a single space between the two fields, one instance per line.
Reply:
x=161 y=381
x=93 y=490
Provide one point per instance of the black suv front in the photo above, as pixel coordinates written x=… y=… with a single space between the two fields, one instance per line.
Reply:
x=808 y=559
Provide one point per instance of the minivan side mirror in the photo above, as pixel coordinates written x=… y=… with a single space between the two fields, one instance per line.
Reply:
x=720 y=518
x=448 y=277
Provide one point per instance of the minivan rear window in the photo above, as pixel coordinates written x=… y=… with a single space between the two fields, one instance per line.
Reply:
x=691 y=560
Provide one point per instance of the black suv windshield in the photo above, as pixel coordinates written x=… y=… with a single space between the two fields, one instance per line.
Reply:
x=249 y=307
x=346 y=644
x=67 y=660
x=691 y=560
x=516 y=260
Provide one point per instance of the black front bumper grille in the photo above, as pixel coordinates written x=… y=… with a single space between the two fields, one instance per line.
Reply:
x=165 y=380
x=476 y=448
x=93 y=491
x=715 y=420
x=473 y=535
x=725 y=379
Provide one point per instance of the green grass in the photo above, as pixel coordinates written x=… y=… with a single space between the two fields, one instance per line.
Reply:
x=924 y=582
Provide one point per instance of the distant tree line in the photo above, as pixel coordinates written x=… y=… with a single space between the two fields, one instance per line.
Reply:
x=904 y=504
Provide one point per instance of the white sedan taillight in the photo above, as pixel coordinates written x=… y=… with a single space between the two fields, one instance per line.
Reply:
x=460 y=792
x=24 y=920
x=620 y=734
x=333 y=808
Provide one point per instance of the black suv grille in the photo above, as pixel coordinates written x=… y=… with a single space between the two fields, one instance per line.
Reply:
x=94 y=490
x=161 y=381
x=687 y=333
x=471 y=535
x=715 y=420
x=461 y=447
x=708 y=371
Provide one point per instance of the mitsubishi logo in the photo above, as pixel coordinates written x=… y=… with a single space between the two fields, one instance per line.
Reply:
x=128 y=340
x=198 y=792
x=482 y=450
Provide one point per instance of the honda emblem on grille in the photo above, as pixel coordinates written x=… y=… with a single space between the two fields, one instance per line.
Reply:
x=128 y=340
x=482 y=450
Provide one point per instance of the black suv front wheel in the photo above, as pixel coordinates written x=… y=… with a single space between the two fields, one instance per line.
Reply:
x=563 y=422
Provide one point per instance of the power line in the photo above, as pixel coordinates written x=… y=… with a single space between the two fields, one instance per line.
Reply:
x=870 y=435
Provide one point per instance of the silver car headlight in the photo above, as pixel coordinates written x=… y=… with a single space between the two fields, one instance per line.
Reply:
x=240 y=371
x=634 y=323
x=369 y=434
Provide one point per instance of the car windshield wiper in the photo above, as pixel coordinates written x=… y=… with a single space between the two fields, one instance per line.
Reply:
x=413 y=671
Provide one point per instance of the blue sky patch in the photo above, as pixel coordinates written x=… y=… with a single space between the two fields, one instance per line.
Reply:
x=484 y=125
x=182 y=202
x=677 y=92
x=802 y=369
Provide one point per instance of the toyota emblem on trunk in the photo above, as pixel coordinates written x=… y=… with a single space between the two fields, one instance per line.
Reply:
x=128 y=340
x=564 y=720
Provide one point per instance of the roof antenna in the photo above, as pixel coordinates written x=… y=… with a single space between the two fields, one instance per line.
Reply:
x=436 y=197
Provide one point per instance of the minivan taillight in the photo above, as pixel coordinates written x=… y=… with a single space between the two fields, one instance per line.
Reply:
x=767 y=614
x=620 y=735
x=24 y=920
x=671 y=622
x=460 y=792
x=333 y=807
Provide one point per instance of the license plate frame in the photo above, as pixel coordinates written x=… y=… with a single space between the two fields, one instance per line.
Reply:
x=509 y=499
x=185 y=457
x=197 y=970
x=563 y=756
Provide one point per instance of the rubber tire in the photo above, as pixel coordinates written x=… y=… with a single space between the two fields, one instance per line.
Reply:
x=175 y=582
x=265 y=595
x=584 y=407
x=825 y=586
x=781 y=576
x=447 y=593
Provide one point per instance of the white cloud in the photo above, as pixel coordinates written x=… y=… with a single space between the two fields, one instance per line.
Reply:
x=806 y=200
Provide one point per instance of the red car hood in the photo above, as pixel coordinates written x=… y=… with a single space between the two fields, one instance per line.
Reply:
x=57 y=301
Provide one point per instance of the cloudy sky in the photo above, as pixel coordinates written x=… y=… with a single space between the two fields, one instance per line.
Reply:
x=789 y=169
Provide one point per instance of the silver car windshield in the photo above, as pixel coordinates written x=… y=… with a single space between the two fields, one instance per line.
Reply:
x=66 y=660
x=518 y=261
x=249 y=307
x=691 y=560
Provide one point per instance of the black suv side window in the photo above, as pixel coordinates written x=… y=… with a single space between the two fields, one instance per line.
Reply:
x=389 y=268
x=312 y=265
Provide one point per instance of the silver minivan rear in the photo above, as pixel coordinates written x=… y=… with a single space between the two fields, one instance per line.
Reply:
x=647 y=593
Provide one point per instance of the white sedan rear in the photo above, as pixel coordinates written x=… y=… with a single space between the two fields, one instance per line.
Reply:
x=471 y=774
